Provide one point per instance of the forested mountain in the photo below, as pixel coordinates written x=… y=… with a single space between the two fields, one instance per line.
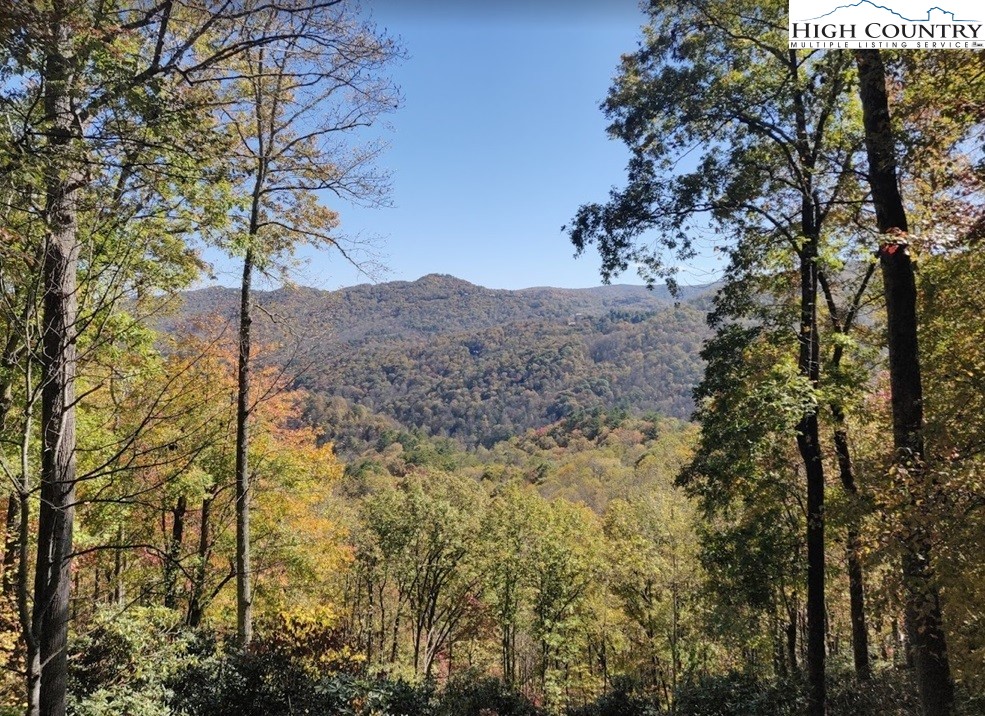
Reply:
x=431 y=305
x=455 y=359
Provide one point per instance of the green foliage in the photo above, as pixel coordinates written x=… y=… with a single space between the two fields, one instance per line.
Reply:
x=475 y=695
x=740 y=694
x=311 y=639
x=248 y=684
x=550 y=575
x=125 y=662
x=953 y=359
x=271 y=683
x=888 y=693
x=139 y=662
x=508 y=536
x=620 y=701
x=527 y=375
x=708 y=106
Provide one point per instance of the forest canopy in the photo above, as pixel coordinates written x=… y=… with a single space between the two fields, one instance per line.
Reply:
x=760 y=496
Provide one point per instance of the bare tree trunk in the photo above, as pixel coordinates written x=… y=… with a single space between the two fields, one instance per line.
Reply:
x=13 y=504
x=33 y=654
x=808 y=437
x=57 y=511
x=119 y=565
x=675 y=651
x=244 y=595
x=842 y=324
x=808 y=443
x=32 y=657
x=10 y=546
x=395 y=640
x=791 y=634
x=924 y=619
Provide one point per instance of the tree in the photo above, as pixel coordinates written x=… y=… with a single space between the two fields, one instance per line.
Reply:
x=925 y=627
x=655 y=573
x=566 y=567
x=298 y=94
x=506 y=567
x=952 y=339
x=418 y=548
x=750 y=403
x=105 y=86
x=774 y=166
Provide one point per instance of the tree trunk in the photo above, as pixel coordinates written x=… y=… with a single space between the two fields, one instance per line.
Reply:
x=119 y=593
x=924 y=620
x=395 y=640
x=55 y=521
x=196 y=603
x=12 y=522
x=244 y=587
x=10 y=546
x=853 y=554
x=791 y=632
x=842 y=324
x=808 y=443
x=808 y=438
x=811 y=454
x=244 y=596
x=172 y=565
x=856 y=598
x=32 y=658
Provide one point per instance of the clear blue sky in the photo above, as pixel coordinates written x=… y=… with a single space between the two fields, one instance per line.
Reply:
x=499 y=141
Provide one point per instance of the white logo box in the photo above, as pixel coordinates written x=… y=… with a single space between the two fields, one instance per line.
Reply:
x=902 y=24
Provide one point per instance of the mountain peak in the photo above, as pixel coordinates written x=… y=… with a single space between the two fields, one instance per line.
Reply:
x=443 y=279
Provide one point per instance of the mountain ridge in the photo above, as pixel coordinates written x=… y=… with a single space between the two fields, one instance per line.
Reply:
x=453 y=359
x=434 y=304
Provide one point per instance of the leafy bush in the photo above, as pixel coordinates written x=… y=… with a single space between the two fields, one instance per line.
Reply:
x=468 y=695
x=11 y=659
x=123 y=665
x=311 y=639
x=621 y=701
x=270 y=682
x=887 y=693
x=737 y=694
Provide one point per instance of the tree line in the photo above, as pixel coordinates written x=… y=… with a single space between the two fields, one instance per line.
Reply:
x=802 y=160
x=132 y=134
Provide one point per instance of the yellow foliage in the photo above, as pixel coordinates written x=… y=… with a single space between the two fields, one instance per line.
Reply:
x=312 y=637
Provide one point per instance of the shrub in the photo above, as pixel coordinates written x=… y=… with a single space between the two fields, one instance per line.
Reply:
x=625 y=699
x=272 y=683
x=124 y=664
x=471 y=695
x=312 y=639
x=738 y=694
x=888 y=693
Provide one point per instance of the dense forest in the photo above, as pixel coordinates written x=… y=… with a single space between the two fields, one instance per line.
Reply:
x=457 y=360
x=426 y=498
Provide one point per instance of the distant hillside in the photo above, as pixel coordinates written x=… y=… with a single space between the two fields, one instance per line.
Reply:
x=451 y=358
x=431 y=305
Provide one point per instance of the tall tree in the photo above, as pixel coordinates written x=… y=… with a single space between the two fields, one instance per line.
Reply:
x=773 y=169
x=103 y=82
x=924 y=619
x=298 y=97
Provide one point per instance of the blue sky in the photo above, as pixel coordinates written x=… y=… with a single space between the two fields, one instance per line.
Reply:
x=499 y=141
